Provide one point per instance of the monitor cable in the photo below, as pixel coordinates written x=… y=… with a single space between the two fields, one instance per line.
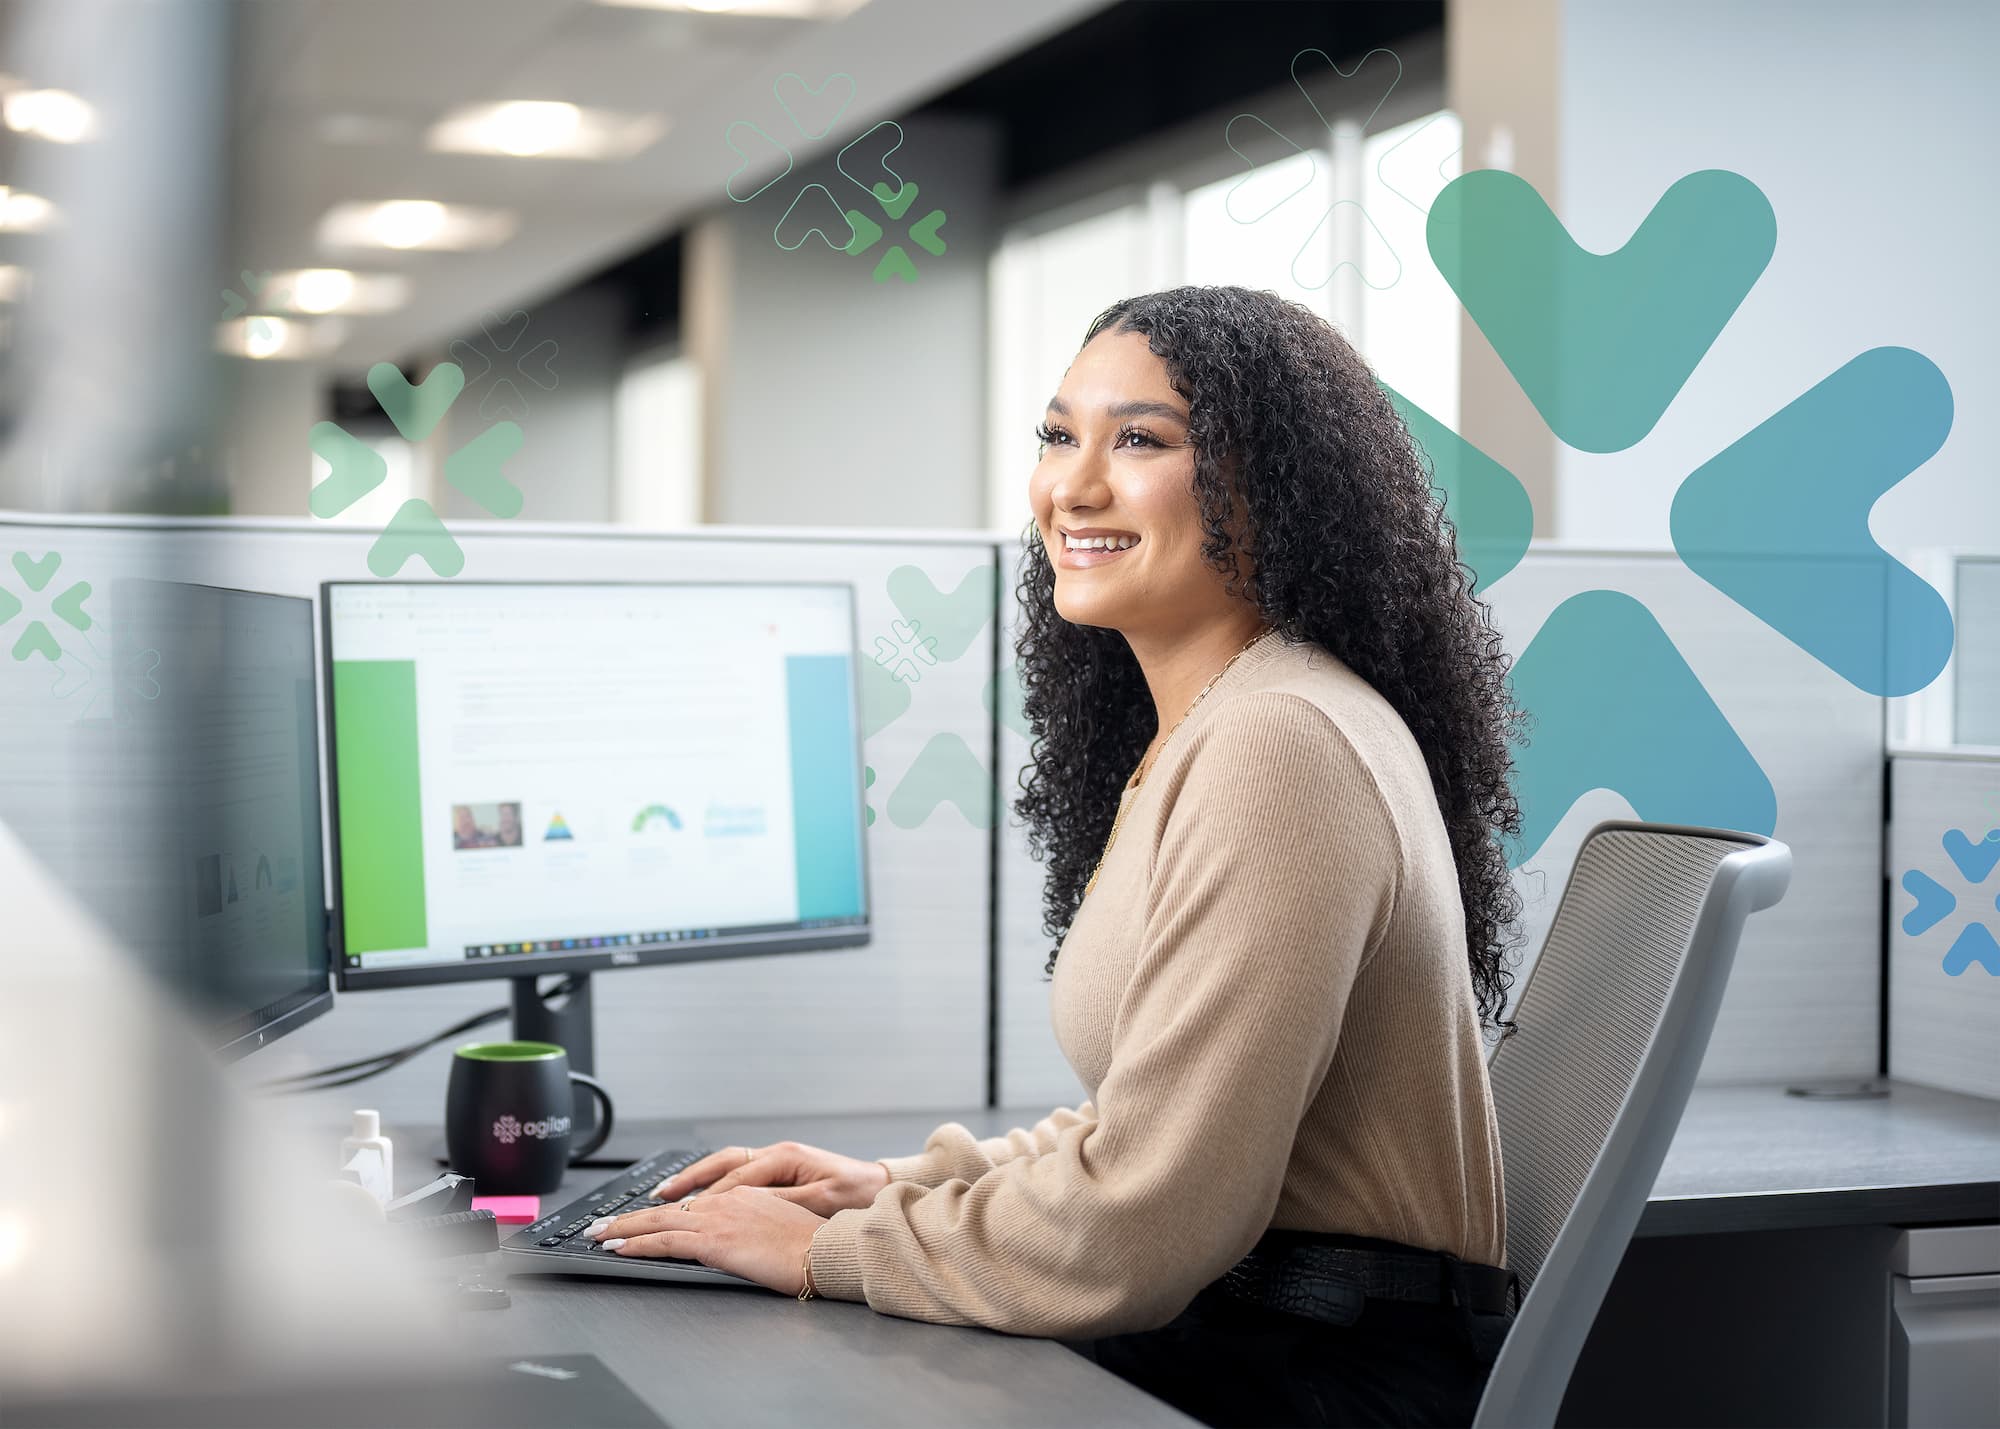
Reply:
x=345 y=1074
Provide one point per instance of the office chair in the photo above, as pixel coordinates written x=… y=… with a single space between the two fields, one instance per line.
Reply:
x=1611 y=1026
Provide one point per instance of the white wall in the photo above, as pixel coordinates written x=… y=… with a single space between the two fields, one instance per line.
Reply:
x=838 y=401
x=1869 y=127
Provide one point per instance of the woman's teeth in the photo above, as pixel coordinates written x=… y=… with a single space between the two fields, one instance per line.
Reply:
x=1098 y=543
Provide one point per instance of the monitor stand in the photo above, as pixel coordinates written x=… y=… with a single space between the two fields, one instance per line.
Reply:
x=565 y=1022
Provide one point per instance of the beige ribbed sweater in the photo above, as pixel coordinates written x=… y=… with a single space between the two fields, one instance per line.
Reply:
x=1266 y=996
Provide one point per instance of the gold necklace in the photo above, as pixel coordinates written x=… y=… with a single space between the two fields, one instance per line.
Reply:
x=1139 y=774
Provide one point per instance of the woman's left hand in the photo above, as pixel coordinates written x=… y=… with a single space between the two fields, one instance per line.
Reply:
x=746 y=1231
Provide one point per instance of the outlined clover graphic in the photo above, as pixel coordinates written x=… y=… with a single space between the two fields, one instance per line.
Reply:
x=507 y=1130
x=502 y=337
x=1975 y=943
x=811 y=113
x=905 y=649
x=1322 y=92
x=813 y=211
x=1777 y=520
x=895 y=200
x=36 y=577
x=87 y=670
x=474 y=469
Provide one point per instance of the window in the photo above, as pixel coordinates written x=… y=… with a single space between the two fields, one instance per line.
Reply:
x=1339 y=229
x=658 y=419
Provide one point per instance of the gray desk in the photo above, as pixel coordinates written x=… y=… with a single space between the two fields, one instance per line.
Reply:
x=1746 y=1159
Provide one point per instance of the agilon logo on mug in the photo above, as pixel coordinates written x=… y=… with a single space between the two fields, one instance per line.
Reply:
x=508 y=1129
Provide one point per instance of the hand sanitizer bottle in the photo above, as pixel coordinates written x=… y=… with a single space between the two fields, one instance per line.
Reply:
x=362 y=1148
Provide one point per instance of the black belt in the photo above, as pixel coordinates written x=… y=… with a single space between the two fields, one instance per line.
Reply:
x=1330 y=1277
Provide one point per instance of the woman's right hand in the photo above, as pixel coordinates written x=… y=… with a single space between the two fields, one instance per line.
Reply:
x=821 y=1181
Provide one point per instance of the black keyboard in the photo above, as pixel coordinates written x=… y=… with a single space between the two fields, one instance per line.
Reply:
x=556 y=1245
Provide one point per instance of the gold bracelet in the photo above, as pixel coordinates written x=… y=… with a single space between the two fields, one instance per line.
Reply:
x=806 y=1291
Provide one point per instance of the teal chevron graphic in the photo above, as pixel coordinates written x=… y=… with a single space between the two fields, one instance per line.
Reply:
x=897 y=262
x=1614 y=706
x=884 y=698
x=1975 y=944
x=1488 y=506
x=475 y=469
x=1935 y=903
x=945 y=772
x=1600 y=343
x=1975 y=860
x=1010 y=713
x=1778 y=521
x=949 y=620
x=36 y=575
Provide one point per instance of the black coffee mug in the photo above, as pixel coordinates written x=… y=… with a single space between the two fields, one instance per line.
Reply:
x=507 y=1116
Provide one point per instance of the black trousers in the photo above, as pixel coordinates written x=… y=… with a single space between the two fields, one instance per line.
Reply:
x=1231 y=1364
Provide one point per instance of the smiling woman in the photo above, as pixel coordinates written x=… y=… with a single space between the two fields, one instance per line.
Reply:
x=1270 y=771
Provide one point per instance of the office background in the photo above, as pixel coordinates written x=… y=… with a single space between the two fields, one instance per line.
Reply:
x=707 y=390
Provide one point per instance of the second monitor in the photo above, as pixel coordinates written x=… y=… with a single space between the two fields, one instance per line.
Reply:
x=558 y=777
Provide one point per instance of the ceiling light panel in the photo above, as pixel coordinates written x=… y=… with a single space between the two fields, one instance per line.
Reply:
x=24 y=212
x=52 y=114
x=544 y=129
x=337 y=290
x=269 y=339
x=413 y=224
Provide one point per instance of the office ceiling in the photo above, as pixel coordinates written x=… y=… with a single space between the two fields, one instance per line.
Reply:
x=334 y=99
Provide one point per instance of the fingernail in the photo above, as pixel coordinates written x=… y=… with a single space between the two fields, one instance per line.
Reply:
x=662 y=1188
x=598 y=1227
x=615 y=1243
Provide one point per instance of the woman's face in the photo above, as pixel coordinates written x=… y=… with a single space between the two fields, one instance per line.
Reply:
x=1116 y=471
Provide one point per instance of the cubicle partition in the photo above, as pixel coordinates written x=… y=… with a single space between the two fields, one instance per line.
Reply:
x=1804 y=1001
x=899 y=1024
x=948 y=1006
x=1944 y=935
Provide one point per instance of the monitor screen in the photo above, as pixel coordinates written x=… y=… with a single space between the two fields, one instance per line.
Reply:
x=559 y=777
x=218 y=865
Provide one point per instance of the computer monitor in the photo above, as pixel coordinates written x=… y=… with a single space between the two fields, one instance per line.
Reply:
x=534 y=778
x=213 y=860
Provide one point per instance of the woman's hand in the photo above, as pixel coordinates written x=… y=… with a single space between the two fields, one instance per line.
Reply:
x=749 y=1231
x=819 y=1180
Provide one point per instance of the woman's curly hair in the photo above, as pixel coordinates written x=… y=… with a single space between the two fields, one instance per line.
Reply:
x=1349 y=548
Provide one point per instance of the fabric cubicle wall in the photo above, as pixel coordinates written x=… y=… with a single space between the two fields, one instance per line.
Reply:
x=1804 y=999
x=899 y=1024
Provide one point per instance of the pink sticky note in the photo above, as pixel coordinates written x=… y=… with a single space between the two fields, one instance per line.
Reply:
x=510 y=1210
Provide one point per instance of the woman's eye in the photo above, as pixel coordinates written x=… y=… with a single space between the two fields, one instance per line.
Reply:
x=1137 y=436
x=1050 y=436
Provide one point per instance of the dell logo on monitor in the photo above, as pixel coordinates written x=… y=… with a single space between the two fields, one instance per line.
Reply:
x=624 y=960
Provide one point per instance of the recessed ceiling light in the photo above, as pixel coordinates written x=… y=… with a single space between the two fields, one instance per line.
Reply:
x=771 y=9
x=544 y=128
x=53 y=114
x=336 y=290
x=409 y=223
x=24 y=212
x=269 y=339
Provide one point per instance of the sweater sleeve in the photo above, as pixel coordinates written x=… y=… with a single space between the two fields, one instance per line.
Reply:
x=1276 y=870
x=952 y=1152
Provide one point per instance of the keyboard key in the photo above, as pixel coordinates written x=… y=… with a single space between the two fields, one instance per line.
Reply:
x=550 y=1240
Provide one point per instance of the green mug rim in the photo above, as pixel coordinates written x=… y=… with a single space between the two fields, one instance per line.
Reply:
x=510 y=1052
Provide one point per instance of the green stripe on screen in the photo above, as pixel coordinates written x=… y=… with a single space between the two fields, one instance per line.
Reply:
x=826 y=835
x=381 y=811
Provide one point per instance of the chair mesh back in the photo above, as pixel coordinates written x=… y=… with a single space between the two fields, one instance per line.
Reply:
x=1585 y=1017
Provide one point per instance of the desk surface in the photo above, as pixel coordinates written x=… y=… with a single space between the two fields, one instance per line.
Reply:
x=1746 y=1158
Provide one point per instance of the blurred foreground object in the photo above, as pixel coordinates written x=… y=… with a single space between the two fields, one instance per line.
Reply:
x=212 y=1263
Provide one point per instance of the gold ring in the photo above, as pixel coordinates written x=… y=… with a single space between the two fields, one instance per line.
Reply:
x=748 y=1156
x=688 y=1204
